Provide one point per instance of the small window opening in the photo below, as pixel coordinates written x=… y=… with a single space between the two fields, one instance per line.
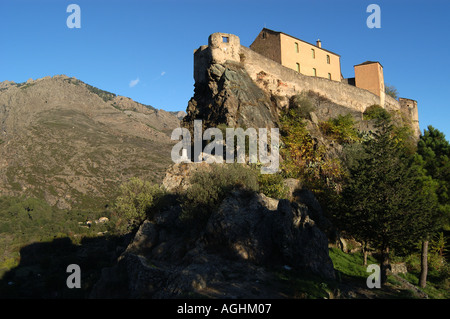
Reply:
x=314 y=72
x=298 y=67
x=225 y=39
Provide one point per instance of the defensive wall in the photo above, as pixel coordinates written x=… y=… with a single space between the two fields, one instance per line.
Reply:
x=279 y=80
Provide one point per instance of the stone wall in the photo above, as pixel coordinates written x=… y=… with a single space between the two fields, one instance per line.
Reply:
x=281 y=81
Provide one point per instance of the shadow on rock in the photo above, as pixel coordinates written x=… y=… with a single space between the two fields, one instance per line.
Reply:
x=233 y=256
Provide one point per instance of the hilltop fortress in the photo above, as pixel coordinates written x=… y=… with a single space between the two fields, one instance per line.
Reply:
x=283 y=66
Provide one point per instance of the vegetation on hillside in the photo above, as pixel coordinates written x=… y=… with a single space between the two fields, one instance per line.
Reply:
x=210 y=186
x=26 y=221
x=383 y=189
x=105 y=95
x=386 y=190
x=341 y=129
x=303 y=157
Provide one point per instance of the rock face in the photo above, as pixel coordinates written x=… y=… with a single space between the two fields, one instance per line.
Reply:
x=229 y=96
x=229 y=258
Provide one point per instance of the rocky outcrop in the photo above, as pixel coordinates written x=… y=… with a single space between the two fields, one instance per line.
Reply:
x=233 y=256
x=247 y=228
x=229 y=96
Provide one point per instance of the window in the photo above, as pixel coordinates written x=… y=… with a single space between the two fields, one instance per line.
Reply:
x=314 y=72
x=263 y=35
x=225 y=39
x=328 y=59
x=296 y=47
x=313 y=53
x=329 y=76
x=298 y=67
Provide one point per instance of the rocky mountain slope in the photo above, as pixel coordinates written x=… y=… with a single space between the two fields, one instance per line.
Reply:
x=72 y=144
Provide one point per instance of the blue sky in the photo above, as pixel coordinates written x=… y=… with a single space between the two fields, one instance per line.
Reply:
x=144 y=49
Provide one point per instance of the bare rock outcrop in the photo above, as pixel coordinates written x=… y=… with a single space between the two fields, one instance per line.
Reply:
x=229 y=96
x=230 y=258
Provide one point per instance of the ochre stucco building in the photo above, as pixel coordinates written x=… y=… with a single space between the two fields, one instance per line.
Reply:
x=299 y=55
x=313 y=60
x=369 y=76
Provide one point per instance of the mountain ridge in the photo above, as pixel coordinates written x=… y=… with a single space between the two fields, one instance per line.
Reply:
x=102 y=138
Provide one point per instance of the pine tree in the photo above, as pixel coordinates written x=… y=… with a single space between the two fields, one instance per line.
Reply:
x=386 y=202
x=435 y=152
x=434 y=157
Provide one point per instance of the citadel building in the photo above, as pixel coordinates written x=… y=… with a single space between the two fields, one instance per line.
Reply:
x=283 y=65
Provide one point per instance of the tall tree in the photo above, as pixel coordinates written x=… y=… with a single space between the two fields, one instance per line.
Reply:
x=434 y=152
x=385 y=201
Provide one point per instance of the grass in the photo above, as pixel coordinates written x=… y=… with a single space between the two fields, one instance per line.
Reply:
x=438 y=287
x=350 y=268
x=305 y=286
x=350 y=265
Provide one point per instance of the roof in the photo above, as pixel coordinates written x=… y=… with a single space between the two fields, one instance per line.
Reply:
x=279 y=32
x=369 y=62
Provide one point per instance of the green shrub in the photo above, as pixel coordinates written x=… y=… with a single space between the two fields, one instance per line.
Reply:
x=301 y=105
x=342 y=129
x=376 y=112
x=135 y=201
x=210 y=186
x=272 y=185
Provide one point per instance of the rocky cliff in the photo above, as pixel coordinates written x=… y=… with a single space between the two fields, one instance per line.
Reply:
x=230 y=97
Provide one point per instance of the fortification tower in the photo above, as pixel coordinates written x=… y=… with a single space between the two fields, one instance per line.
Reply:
x=410 y=107
x=369 y=76
x=224 y=46
x=221 y=47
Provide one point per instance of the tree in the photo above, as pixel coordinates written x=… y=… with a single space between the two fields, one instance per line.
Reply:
x=135 y=200
x=386 y=200
x=424 y=265
x=391 y=91
x=434 y=152
x=431 y=185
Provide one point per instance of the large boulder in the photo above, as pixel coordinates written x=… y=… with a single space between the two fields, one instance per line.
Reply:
x=247 y=228
x=248 y=234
